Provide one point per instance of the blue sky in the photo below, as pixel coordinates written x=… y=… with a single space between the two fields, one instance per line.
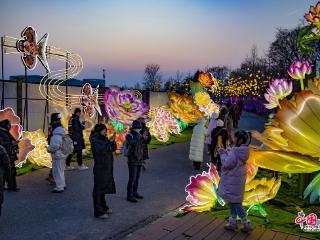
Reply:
x=122 y=36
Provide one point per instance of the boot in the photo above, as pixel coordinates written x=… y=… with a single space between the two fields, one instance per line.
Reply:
x=246 y=227
x=232 y=225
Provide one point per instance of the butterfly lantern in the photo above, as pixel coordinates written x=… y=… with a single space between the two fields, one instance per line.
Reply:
x=31 y=49
x=89 y=100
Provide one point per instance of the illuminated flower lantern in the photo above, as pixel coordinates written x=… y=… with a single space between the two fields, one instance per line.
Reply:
x=203 y=196
x=89 y=100
x=202 y=191
x=184 y=108
x=16 y=128
x=124 y=106
x=162 y=123
x=39 y=154
x=311 y=33
x=299 y=70
x=206 y=105
x=278 y=89
x=293 y=136
x=120 y=136
x=25 y=145
x=261 y=190
x=207 y=80
x=293 y=139
x=202 y=98
x=313 y=16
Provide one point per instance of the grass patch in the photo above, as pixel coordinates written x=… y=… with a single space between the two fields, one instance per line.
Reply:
x=185 y=136
x=154 y=144
x=27 y=167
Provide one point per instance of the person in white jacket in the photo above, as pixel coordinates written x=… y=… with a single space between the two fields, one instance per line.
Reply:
x=197 y=144
x=58 y=159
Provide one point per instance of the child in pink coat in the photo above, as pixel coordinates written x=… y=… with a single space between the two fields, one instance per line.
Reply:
x=233 y=179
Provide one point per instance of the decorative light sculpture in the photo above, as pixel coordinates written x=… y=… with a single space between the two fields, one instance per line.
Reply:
x=162 y=123
x=278 y=89
x=89 y=100
x=31 y=49
x=299 y=70
x=183 y=108
x=206 y=105
x=39 y=154
x=203 y=195
x=207 y=80
x=123 y=106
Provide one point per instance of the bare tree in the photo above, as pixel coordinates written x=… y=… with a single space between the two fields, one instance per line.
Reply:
x=137 y=86
x=284 y=51
x=152 y=78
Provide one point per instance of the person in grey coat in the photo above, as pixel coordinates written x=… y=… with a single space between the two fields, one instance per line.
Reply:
x=233 y=179
x=5 y=168
x=102 y=149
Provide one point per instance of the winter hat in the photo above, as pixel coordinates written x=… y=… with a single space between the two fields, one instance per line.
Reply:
x=220 y=123
x=55 y=117
x=136 y=125
x=214 y=115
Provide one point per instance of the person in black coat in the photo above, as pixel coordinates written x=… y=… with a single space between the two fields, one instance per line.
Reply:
x=75 y=131
x=5 y=169
x=102 y=149
x=12 y=149
x=145 y=131
x=135 y=141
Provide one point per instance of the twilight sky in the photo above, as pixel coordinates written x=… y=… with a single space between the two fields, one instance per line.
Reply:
x=122 y=36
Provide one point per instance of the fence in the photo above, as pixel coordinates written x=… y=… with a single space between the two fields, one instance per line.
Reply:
x=35 y=115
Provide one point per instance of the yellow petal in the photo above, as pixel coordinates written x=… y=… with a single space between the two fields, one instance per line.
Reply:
x=288 y=162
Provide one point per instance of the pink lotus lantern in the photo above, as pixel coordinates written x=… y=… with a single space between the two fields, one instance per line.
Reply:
x=278 y=89
x=299 y=70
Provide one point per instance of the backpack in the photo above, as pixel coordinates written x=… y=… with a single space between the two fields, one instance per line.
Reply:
x=125 y=148
x=67 y=145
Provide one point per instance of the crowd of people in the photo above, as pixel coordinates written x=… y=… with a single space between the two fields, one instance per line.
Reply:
x=62 y=146
x=229 y=154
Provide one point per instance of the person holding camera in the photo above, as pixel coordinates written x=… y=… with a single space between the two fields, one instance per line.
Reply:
x=135 y=142
x=75 y=131
x=11 y=146
x=233 y=179
x=102 y=149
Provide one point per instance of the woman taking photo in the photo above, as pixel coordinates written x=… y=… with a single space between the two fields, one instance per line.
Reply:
x=102 y=149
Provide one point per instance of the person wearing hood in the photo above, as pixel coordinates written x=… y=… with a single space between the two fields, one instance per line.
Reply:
x=102 y=149
x=197 y=144
x=58 y=158
x=233 y=179
x=55 y=121
x=75 y=131
x=135 y=142
x=5 y=169
x=11 y=146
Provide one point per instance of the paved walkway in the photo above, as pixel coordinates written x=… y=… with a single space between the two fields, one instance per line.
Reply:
x=35 y=213
x=199 y=226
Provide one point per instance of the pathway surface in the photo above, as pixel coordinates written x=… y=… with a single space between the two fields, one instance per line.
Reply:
x=200 y=226
x=35 y=213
